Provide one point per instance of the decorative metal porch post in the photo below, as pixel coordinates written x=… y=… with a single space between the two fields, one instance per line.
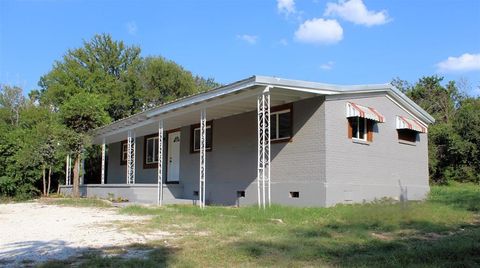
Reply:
x=201 y=192
x=82 y=169
x=68 y=178
x=160 y=163
x=263 y=157
x=131 y=157
x=103 y=161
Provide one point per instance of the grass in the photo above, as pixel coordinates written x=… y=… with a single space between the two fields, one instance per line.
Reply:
x=443 y=231
x=76 y=202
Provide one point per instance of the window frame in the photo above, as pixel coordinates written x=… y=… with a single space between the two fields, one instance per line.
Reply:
x=281 y=109
x=153 y=164
x=209 y=124
x=367 y=129
x=365 y=132
x=123 y=151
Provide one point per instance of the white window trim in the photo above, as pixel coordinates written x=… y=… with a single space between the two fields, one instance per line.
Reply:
x=277 y=124
x=206 y=147
x=365 y=134
x=155 y=144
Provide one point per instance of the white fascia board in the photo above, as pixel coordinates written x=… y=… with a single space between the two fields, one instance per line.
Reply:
x=403 y=98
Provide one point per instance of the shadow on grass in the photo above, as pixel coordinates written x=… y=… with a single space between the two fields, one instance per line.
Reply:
x=58 y=253
x=338 y=246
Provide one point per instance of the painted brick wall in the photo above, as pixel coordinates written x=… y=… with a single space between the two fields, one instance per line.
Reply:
x=357 y=172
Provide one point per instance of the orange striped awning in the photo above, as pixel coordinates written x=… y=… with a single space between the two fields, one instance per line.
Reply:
x=357 y=110
x=407 y=123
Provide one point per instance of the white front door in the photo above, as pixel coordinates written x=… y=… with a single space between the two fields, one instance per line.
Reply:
x=173 y=164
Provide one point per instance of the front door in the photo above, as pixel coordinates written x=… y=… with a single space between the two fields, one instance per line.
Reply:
x=173 y=165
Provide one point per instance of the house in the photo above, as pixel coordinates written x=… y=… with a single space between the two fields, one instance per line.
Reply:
x=267 y=140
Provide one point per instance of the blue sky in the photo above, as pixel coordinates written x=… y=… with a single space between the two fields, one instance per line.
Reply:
x=344 y=42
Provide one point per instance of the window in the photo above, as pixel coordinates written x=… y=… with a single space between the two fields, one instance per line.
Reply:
x=240 y=194
x=195 y=137
x=281 y=123
x=294 y=194
x=195 y=193
x=150 y=155
x=407 y=135
x=360 y=128
x=123 y=152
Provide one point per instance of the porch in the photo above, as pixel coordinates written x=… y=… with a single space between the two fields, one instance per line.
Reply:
x=134 y=193
x=238 y=171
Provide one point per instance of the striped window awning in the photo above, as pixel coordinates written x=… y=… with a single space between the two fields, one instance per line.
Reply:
x=357 y=110
x=407 y=123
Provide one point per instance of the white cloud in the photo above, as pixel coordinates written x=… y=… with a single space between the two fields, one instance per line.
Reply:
x=466 y=62
x=131 y=27
x=250 y=39
x=319 y=31
x=327 y=66
x=286 y=7
x=355 y=11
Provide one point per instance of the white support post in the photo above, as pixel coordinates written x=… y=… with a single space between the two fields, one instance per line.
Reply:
x=67 y=171
x=259 y=149
x=263 y=156
x=203 y=130
x=82 y=169
x=103 y=161
x=160 y=163
x=131 y=157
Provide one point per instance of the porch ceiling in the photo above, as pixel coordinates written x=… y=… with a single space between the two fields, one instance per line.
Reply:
x=216 y=108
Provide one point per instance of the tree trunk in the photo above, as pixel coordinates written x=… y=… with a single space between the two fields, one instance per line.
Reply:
x=76 y=177
x=49 y=179
x=44 y=182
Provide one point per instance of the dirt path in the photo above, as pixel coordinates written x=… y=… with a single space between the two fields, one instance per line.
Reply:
x=35 y=232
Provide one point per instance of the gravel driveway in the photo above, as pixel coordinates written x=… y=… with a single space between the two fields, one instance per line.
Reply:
x=35 y=232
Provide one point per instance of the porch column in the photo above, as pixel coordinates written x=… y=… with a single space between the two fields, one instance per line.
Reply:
x=160 y=163
x=103 y=161
x=68 y=180
x=131 y=157
x=263 y=159
x=82 y=169
x=203 y=130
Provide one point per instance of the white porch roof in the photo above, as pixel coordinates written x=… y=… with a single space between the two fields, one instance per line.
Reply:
x=237 y=98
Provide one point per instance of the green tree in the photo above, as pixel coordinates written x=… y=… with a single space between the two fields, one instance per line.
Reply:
x=165 y=81
x=81 y=114
x=44 y=145
x=102 y=66
x=454 y=138
x=11 y=102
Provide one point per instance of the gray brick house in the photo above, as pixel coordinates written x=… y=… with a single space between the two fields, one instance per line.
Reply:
x=267 y=140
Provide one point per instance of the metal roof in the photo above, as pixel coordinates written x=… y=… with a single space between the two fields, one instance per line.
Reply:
x=242 y=86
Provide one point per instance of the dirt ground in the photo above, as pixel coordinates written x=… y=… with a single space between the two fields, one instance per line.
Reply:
x=34 y=232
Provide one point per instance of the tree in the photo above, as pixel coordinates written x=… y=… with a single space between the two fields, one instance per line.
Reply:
x=81 y=114
x=102 y=66
x=454 y=138
x=164 y=81
x=12 y=99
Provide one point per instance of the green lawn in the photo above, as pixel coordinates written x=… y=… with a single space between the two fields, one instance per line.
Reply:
x=443 y=231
